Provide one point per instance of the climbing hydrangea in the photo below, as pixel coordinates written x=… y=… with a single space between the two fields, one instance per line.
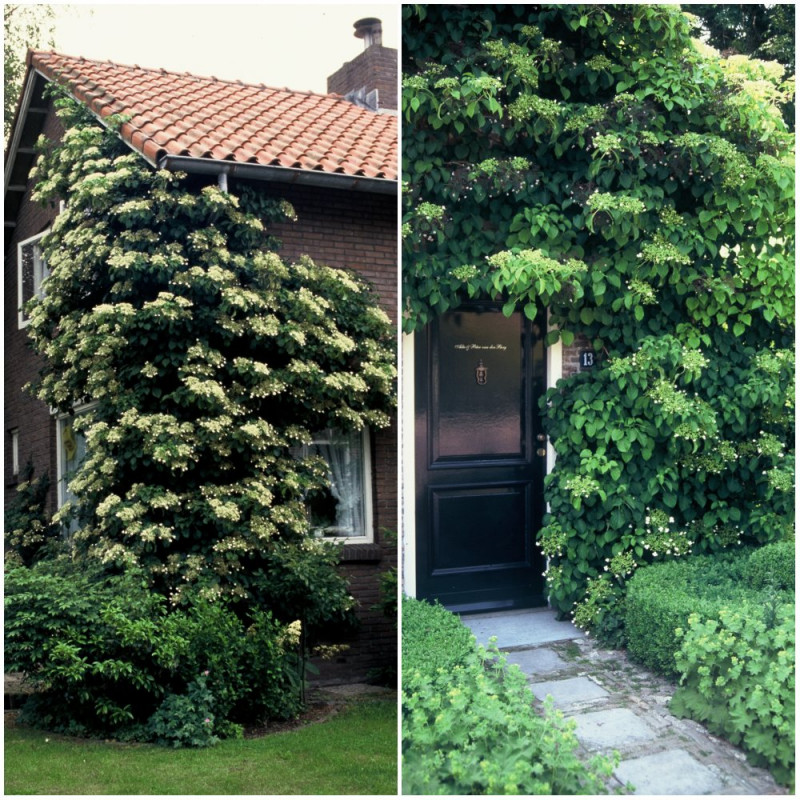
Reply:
x=654 y=217
x=207 y=360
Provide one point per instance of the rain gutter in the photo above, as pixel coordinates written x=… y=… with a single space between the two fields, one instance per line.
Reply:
x=267 y=172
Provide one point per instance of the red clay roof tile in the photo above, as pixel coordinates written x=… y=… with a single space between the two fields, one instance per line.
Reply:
x=173 y=113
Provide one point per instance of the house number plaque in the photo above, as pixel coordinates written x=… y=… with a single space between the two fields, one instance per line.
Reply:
x=587 y=359
x=480 y=373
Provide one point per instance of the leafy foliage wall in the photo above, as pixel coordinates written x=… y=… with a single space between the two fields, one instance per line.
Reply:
x=594 y=160
x=207 y=361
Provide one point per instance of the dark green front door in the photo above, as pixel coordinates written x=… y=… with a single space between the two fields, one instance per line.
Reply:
x=479 y=459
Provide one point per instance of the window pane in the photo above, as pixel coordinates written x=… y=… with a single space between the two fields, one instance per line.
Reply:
x=73 y=451
x=40 y=271
x=31 y=273
x=15 y=452
x=26 y=272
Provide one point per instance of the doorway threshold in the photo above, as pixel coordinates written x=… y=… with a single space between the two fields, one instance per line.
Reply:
x=521 y=628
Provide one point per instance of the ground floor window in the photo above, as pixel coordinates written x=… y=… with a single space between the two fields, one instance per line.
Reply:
x=344 y=510
x=71 y=447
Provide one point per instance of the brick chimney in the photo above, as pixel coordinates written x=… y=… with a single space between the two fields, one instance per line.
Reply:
x=370 y=79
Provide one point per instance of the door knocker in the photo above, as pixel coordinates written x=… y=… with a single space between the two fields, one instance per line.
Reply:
x=480 y=373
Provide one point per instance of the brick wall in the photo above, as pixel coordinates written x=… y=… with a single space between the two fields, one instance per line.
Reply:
x=354 y=230
x=375 y=68
x=22 y=411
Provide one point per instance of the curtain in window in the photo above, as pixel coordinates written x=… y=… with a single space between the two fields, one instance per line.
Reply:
x=342 y=452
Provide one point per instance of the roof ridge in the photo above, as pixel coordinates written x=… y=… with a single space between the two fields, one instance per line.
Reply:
x=185 y=74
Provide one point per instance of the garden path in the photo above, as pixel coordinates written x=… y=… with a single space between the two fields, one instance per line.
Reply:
x=618 y=705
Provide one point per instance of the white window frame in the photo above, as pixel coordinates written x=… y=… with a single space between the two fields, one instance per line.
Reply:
x=368 y=536
x=40 y=275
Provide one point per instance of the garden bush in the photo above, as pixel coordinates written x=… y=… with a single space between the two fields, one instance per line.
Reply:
x=738 y=679
x=660 y=598
x=772 y=565
x=433 y=637
x=469 y=723
x=108 y=656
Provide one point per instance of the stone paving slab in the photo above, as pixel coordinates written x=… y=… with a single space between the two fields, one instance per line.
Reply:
x=669 y=772
x=611 y=729
x=625 y=708
x=569 y=691
x=521 y=628
x=537 y=661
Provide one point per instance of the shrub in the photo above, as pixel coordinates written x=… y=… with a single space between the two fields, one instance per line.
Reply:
x=660 y=598
x=433 y=637
x=30 y=534
x=469 y=724
x=109 y=656
x=771 y=565
x=738 y=679
x=185 y=720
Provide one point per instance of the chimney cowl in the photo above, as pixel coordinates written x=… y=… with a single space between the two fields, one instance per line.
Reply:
x=370 y=30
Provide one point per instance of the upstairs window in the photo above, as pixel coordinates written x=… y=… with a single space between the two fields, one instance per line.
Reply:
x=31 y=273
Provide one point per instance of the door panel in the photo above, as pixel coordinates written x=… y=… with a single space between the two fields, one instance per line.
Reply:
x=462 y=517
x=479 y=478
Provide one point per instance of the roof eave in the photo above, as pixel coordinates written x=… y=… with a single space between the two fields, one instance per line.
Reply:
x=275 y=174
x=14 y=192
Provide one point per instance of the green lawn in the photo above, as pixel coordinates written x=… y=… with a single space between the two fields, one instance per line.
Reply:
x=355 y=752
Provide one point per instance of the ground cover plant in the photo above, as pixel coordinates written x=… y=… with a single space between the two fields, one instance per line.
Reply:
x=596 y=161
x=723 y=626
x=469 y=724
x=197 y=365
x=738 y=678
x=353 y=752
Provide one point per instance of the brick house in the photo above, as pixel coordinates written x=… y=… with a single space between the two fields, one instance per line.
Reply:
x=333 y=156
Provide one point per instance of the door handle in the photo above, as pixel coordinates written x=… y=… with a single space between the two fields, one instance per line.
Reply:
x=541 y=451
x=541 y=437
